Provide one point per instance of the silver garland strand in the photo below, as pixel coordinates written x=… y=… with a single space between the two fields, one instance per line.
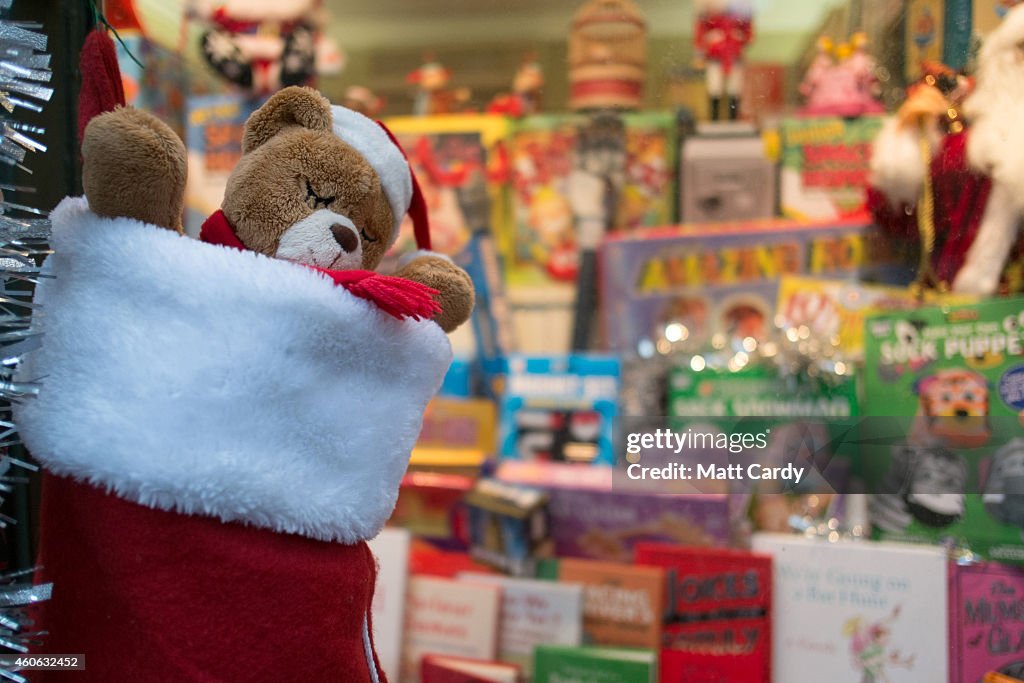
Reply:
x=24 y=233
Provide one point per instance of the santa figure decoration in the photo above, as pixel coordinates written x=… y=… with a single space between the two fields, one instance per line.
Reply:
x=954 y=178
x=263 y=45
x=723 y=31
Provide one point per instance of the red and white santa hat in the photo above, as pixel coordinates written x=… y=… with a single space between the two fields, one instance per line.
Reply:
x=380 y=148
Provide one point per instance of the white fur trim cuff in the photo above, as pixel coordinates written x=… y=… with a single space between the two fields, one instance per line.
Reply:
x=211 y=381
x=367 y=137
x=897 y=166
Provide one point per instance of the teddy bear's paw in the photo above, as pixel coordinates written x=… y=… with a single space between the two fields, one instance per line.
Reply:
x=455 y=288
x=134 y=166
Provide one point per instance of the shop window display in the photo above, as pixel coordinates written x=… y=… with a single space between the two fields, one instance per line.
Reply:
x=616 y=341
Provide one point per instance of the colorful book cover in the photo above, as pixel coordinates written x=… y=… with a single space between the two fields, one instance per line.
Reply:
x=857 y=611
x=622 y=603
x=926 y=31
x=559 y=664
x=837 y=308
x=427 y=560
x=718 y=613
x=534 y=613
x=448 y=617
x=591 y=519
x=214 y=125
x=706 y=280
x=560 y=408
x=825 y=165
x=444 y=669
x=985 y=629
x=550 y=154
x=391 y=548
x=459 y=162
x=944 y=387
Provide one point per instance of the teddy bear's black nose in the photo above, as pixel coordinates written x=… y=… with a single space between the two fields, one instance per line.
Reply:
x=345 y=236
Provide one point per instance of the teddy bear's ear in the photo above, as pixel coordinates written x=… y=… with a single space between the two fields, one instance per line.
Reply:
x=293 y=106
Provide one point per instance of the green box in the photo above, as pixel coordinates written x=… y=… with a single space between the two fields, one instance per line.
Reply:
x=944 y=389
x=560 y=664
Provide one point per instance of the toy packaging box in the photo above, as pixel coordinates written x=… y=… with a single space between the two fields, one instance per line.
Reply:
x=545 y=151
x=560 y=408
x=718 y=613
x=838 y=308
x=947 y=458
x=856 y=611
x=726 y=178
x=714 y=279
x=590 y=519
x=213 y=135
x=456 y=433
x=825 y=166
x=985 y=630
x=460 y=165
x=508 y=525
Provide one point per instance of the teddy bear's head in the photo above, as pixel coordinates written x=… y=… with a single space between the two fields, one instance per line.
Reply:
x=309 y=185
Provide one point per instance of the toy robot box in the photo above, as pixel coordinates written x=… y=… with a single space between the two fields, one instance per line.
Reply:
x=944 y=392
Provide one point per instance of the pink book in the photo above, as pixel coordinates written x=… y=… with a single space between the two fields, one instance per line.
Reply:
x=986 y=621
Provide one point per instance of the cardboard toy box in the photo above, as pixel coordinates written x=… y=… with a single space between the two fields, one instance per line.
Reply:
x=460 y=164
x=544 y=153
x=825 y=166
x=590 y=519
x=715 y=278
x=560 y=408
x=725 y=175
x=948 y=458
x=838 y=307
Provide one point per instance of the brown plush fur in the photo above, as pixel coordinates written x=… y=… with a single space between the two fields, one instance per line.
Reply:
x=456 y=289
x=135 y=166
x=301 y=107
x=266 y=193
x=144 y=179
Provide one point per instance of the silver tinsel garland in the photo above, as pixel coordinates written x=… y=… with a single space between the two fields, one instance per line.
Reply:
x=24 y=232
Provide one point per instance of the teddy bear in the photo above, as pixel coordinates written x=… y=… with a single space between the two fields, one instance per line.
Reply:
x=224 y=422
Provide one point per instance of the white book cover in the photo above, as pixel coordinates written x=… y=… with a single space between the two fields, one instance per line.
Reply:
x=857 y=611
x=391 y=548
x=448 y=617
x=534 y=613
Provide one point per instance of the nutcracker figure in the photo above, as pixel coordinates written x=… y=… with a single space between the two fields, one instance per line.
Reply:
x=724 y=29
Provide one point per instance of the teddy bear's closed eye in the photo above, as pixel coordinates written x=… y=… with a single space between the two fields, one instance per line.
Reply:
x=313 y=200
